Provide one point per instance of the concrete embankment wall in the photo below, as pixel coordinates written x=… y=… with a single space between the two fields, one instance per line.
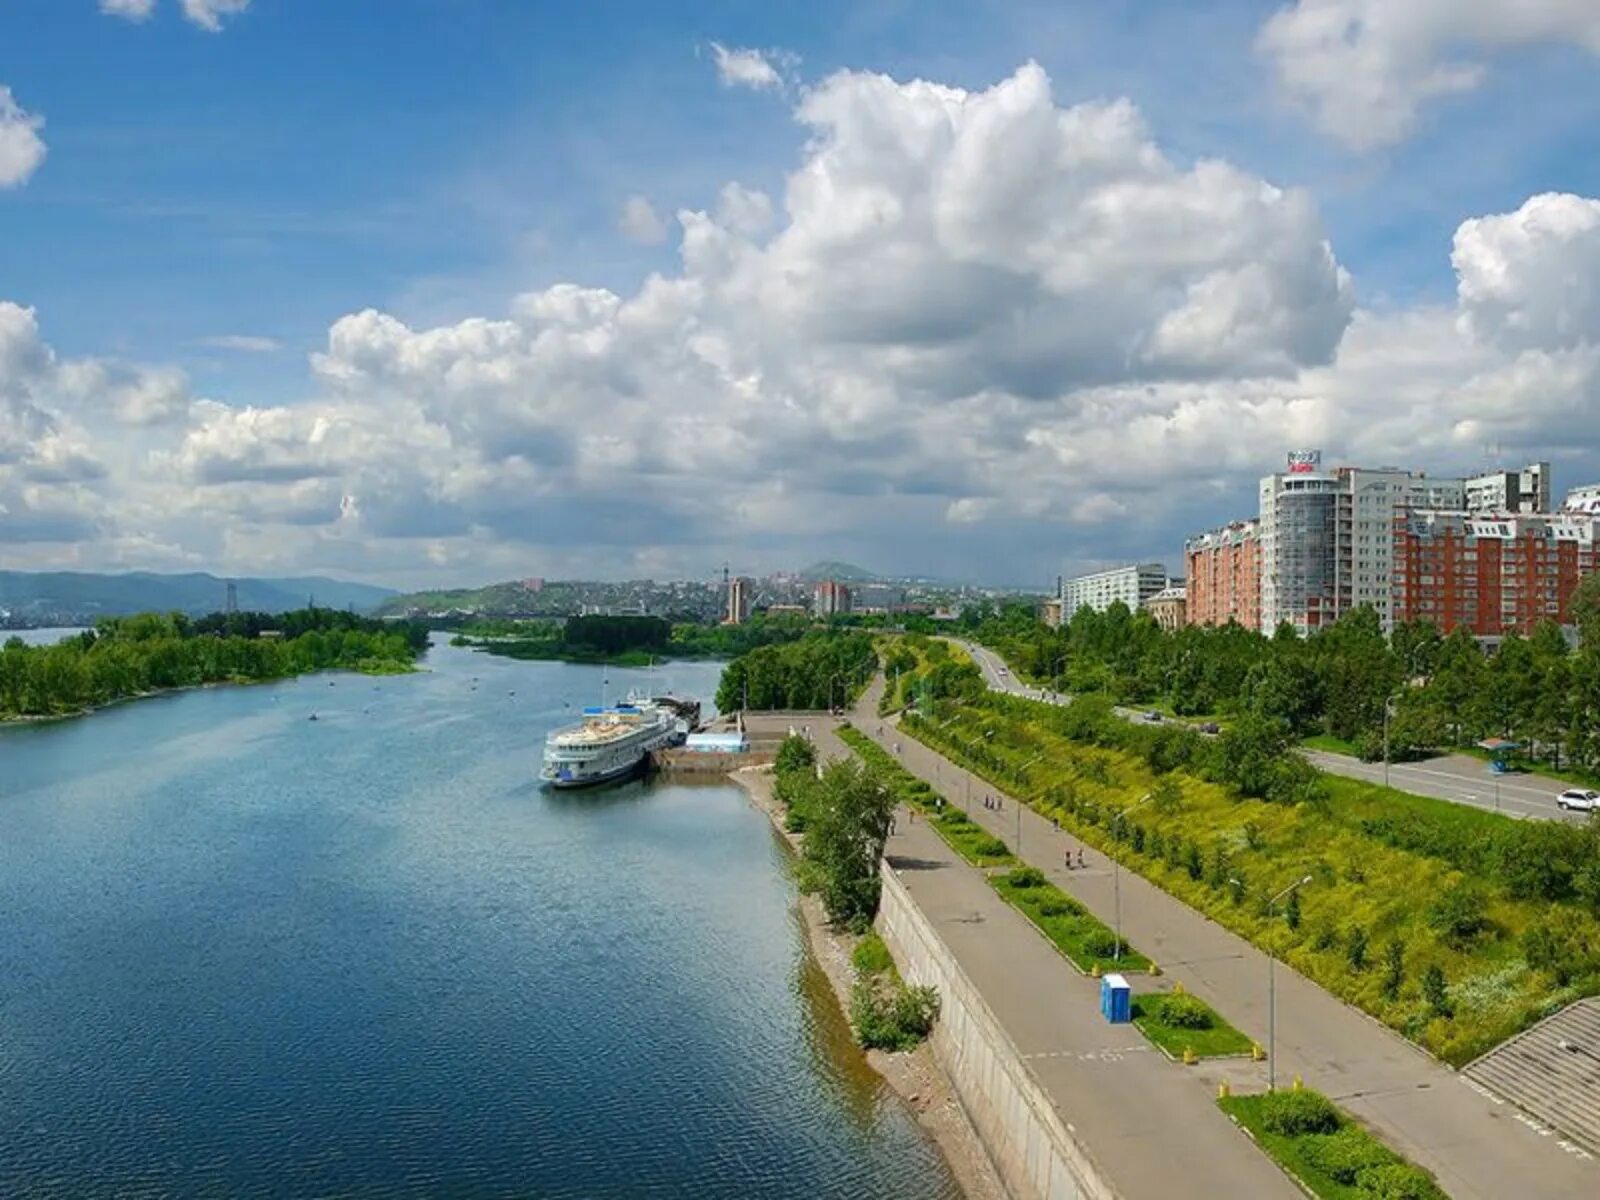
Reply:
x=710 y=764
x=1036 y=1156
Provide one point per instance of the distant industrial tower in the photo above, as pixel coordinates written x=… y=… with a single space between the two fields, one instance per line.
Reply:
x=230 y=602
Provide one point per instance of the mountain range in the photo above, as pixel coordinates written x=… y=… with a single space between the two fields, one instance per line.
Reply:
x=79 y=596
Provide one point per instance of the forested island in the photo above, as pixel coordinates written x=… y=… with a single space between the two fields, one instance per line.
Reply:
x=123 y=657
x=627 y=641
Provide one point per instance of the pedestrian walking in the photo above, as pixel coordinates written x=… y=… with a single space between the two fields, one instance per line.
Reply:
x=1066 y=858
x=1080 y=856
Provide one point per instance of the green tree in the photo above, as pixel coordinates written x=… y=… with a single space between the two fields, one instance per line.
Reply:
x=845 y=835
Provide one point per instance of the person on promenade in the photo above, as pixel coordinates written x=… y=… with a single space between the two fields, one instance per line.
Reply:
x=1066 y=858
x=1080 y=856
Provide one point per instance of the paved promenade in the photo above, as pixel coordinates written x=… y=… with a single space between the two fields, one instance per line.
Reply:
x=1477 y=1147
x=1151 y=1125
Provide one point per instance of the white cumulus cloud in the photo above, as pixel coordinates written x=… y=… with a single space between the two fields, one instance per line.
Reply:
x=21 y=147
x=209 y=14
x=128 y=10
x=757 y=69
x=978 y=332
x=1365 y=68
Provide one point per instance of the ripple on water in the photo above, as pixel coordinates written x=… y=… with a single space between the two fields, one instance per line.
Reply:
x=246 y=955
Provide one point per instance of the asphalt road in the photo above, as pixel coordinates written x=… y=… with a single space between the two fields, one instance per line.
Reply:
x=1458 y=778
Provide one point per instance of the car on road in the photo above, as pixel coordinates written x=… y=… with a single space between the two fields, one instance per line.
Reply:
x=1210 y=727
x=1579 y=800
x=1153 y=717
x=1000 y=670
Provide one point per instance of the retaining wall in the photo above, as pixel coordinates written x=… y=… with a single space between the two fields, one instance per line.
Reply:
x=1037 y=1158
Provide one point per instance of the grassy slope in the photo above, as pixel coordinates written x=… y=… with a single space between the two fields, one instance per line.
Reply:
x=1358 y=882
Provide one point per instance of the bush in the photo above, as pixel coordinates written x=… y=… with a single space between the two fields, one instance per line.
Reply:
x=1026 y=877
x=1182 y=1011
x=1433 y=991
x=990 y=847
x=1458 y=915
x=795 y=754
x=1059 y=906
x=1344 y=1155
x=871 y=956
x=1398 y=1181
x=892 y=1018
x=1295 y=1113
x=1101 y=943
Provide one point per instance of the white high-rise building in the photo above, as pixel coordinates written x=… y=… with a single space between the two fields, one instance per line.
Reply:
x=1327 y=538
x=1505 y=492
x=1583 y=500
x=1132 y=585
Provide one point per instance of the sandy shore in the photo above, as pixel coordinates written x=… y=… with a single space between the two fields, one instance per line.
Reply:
x=914 y=1075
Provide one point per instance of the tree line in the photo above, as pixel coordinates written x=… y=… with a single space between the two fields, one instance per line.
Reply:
x=820 y=670
x=1439 y=691
x=132 y=656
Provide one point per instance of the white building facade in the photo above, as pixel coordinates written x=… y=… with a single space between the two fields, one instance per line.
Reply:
x=1132 y=585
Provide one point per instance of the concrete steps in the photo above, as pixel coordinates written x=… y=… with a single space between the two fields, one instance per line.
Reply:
x=1552 y=1072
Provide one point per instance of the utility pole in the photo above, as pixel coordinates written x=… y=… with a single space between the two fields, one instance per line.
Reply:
x=1116 y=867
x=1272 y=994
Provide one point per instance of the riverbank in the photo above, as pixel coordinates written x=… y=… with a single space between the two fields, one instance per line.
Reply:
x=384 y=669
x=914 y=1075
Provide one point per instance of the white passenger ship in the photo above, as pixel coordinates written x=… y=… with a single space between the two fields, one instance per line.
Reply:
x=614 y=741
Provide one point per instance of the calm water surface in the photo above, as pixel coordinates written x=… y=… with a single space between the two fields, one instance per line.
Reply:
x=247 y=954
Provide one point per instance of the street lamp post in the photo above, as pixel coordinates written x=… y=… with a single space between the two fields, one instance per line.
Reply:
x=1116 y=870
x=1272 y=993
x=1020 y=770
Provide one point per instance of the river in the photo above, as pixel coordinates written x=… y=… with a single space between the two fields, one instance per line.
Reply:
x=247 y=954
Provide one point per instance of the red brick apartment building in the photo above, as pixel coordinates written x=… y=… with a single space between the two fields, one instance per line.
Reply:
x=1491 y=574
x=1223 y=569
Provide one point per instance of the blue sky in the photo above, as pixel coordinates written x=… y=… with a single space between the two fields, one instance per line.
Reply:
x=436 y=159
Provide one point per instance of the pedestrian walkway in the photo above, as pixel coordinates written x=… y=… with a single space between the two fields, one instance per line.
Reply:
x=1151 y=1125
x=1474 y=1146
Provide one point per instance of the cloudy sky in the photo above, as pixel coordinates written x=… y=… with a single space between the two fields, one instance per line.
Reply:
x=447 y=291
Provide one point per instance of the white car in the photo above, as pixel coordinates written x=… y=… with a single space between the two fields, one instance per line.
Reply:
x=1579 y=800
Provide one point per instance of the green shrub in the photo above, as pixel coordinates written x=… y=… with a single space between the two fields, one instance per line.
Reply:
x=871 y=956
x=990 y=847
x=892 y=1018
x=795 y=754
x=1394 y=967
x=1458 y=915
x=1026 y=877
x=1398 y=1181
x=1101 y=943
x=1296 y=1113
x=1355 y=950
x=1434 y=991
x=1344 y=1155
x=1059 y=906
x=1182 y=1011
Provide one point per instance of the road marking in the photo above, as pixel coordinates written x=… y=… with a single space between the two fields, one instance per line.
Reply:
x=1108 y=1055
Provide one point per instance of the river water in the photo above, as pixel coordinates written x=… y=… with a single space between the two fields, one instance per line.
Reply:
x=247 y=954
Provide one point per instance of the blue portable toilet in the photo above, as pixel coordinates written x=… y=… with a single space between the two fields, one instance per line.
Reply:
x=1116 y=1000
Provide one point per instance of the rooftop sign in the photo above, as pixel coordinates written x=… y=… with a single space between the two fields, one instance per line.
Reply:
x=1305 y=462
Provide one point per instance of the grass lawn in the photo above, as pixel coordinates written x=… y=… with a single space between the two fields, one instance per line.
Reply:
x=1084 y=939
x=1217 y=1040
x=1349 y=1164
x=1333 y=745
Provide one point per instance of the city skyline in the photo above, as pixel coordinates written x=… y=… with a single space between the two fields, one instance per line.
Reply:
x=978 y=296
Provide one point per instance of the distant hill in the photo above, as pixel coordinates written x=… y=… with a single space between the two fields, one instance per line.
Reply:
x=28 y=595
x=842 y=571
